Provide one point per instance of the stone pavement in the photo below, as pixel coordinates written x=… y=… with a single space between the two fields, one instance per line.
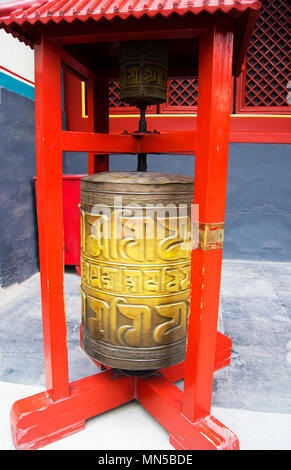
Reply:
x=255 y=311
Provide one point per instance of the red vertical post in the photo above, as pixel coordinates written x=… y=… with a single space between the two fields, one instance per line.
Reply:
x=98 y=120
x=48 y=122
x=213 y=122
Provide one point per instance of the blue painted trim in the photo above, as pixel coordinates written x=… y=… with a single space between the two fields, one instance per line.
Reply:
x=12 y=84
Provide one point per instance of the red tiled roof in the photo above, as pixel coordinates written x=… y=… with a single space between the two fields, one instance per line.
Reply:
x=70 y=10
x=21 y=18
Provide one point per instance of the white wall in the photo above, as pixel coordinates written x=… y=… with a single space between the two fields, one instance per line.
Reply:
x=16 y=56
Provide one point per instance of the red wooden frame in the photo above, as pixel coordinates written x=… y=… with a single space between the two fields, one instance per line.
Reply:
x=71 y=202
x=50 y=215
x=98 y=121
x=73 y=102
x=72 y=235
x=64 y=407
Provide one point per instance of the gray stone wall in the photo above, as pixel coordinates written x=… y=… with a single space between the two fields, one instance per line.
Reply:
x=258 y=203
x=18 y=229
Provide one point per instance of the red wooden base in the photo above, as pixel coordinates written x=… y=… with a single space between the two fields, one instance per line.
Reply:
x=37 y=420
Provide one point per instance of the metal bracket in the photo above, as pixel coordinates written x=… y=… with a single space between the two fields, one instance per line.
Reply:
x=211 y=236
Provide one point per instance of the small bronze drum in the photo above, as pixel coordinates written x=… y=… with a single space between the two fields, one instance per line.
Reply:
x=143 y=72
x=136 y=245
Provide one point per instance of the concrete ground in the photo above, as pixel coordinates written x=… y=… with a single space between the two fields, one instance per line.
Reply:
x=252 y=396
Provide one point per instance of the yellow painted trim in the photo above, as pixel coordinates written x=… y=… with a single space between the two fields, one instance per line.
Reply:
x=83 y=98
x=194 y=115
x=149 y=115
x=262 y=115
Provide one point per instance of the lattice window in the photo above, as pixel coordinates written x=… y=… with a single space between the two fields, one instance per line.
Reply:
x=114 y=96
x=119 y=107
x=183 y=92
x=268 y=58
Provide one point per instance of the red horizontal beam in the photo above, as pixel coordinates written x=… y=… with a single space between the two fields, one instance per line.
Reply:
x=157 y=27
x=261 y=137
x=37 y=421
x=163 y=401
x=170 y=142
x=98 y=142
x=256 y=129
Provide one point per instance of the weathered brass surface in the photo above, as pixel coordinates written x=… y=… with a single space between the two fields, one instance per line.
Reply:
x=143 y=72
x=211 y=236
x=135 y=276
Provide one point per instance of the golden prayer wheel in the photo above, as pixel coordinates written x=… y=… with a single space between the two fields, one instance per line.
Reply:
x=143 y=72
x=135 y=268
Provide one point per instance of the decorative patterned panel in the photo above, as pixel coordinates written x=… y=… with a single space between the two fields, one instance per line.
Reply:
x=183 y=92
x=182 y=96
x=262 y=86
x=114 y=95
x=264 y=82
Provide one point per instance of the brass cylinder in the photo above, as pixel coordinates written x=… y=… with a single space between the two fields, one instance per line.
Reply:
x=135 y=268
x=143 y=72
